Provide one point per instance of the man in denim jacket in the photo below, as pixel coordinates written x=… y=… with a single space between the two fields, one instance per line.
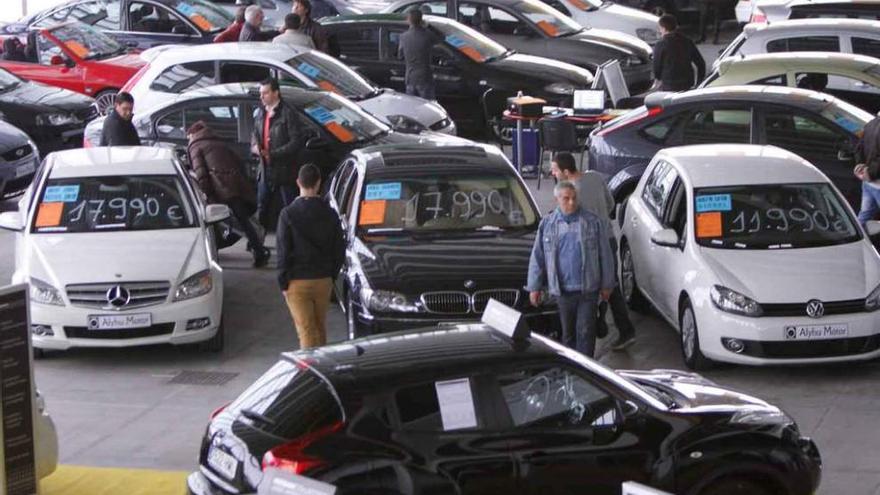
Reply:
x=571 y=259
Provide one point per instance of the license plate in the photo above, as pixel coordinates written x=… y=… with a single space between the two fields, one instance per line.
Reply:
x=114 y=322
x=26 y=169
x=222 y=462
x=816 y=332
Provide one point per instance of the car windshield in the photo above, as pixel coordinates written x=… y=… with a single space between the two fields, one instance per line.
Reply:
x=330 y=74
x=204 y=15
x=774 y=216
x=443 y=202
x=113 y=203
x=8 y=80
x=343 y=119
x=86 y=42
x=549 y=20
x=848 y=116
x=469 y=42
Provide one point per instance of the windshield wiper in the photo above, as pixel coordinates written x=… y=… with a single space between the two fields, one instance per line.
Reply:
x=255 y=416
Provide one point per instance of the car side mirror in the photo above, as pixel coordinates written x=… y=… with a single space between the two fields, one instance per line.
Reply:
x=872 y=227
x=56 y=60
x=629 y=409
x=216 y=213
x=665 y=238
x=316 y=143
x=11 y=220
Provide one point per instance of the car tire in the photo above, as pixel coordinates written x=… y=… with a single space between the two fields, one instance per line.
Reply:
x=690 y=339
x=215 y=344
x=355 y=329
x=658 y=7
x=39 y=353
x=736 y=486
x=628 y=286
x=104 y=100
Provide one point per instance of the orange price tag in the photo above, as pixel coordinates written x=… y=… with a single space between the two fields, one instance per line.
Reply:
x=580 y=4
x=340 y=132
x=200 y=21
x=472 y=53
x=548 y=28
x=709 y=224
x=49 y=214
x=328 y=86
x=77 y=48
x=372 y=212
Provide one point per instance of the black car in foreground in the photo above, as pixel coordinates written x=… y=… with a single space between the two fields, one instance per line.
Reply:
x=19 y=159
x=468 y=410
x=818 y=127
x=434 y=231
x=473 y=74
x=52 y=117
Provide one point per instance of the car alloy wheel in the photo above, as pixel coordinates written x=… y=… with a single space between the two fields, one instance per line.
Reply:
x=104 y=101
x=628 y=287
x=690 y=339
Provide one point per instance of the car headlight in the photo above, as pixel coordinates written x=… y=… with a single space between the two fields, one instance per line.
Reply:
x=408 y=125
x=761 y=417
x=197 y=285
x=872 y=302
x=44 y=293
x=734 y=302
x=648 y=35
x=386 y=300
x=559 y=88
x=56 y=119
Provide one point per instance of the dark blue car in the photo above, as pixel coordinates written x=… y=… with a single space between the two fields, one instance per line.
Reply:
x=139 y=23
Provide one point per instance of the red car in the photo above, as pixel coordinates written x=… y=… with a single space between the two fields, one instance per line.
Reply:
x=77 y=57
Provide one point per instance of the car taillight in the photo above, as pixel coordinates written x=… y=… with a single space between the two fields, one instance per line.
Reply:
x=135 y=78
x=758 y=16
x=628 y=122
x=219 y=410
x=290 y=456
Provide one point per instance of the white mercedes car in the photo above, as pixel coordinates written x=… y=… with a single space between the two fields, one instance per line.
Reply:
x=753 y=256
x=118 y=249
x=610 y=15
x=171 y=70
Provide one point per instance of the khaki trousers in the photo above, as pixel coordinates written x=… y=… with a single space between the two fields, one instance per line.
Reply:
x=308 y=301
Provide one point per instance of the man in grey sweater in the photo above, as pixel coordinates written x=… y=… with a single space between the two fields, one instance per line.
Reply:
x=415 y=48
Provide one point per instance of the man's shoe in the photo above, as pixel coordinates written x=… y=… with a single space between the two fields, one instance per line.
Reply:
x=601 y=328
x=623 y=343
x=261 y=259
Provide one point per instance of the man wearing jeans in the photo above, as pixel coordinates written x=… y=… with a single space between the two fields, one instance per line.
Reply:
x=868 y=170
x=572 y=260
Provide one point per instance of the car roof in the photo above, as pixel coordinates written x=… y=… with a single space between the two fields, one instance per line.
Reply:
x=248 y=50
x=802 y=98
x=368 y=18
x=293 y=94
x=709 y=165
x=806 y=61
x=806 y=25
x=111 y=160
x=415 y=157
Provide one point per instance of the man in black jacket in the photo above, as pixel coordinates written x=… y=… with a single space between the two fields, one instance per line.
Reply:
x=118 y=129
x=277 y=140
x=303 y=8
x=311 y=250
x=675 y=56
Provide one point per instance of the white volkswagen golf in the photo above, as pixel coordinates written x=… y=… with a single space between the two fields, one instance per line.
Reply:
x=753 y=255
x=117 y=247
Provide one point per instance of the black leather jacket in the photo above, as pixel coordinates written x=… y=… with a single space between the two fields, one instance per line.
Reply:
x=285 y=143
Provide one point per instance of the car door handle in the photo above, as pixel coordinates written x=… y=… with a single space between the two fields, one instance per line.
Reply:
x=446 y=78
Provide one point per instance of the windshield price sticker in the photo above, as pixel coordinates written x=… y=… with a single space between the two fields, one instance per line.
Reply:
x=709 y=224
x=455 y=41
x=320 y=114
x=309 y=69
x=185 y=9
x=388 y=190
x=77 y=48
x=329 y=86
x=713 y=202
x=49 y=214
x=201 y=22
x=65 y=194
x=548 y=28
x=456 y=404
x=372 y=212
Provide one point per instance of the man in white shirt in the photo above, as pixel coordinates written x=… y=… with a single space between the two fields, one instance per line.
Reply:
x=292 y=35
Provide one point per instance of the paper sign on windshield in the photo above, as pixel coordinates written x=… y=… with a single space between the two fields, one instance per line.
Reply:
x=580 y=4
x=462 y=46
x=456 y=404
x=340 y=132
x=548 y=28
x=709 y=224
x=388 y=190
x=308 y=69
x=66 y=194
x=713 y=202
x=200 y=21
x=372 y=212
x=328 y=86
x=49 y=214
x=77 y=48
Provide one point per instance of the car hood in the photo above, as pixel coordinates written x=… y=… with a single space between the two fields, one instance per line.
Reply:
x=615 y=40
x=413 y=265
x=129 y=60
x=696 y=393
x=38 y=97
x=11 y=137
x=390 y=102
x=62 y=259
x=833 y=273
x=543 y=68
x=639 y=18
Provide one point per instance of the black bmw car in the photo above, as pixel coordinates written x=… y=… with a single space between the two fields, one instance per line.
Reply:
x=468 y=410
x=473 y=74
x=434 y=231
x=19 y=159
x=52 y=117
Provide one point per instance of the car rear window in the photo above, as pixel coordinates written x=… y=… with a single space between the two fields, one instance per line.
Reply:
x=288 y=401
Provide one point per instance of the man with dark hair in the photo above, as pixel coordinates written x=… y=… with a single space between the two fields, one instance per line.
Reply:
x=292 y=34
x=311 y=250
x=276 y=139
x=303 y=8
x=232 y=32
x=415 y=48
x=118 y=129
x=594 y=196
x=675 y=56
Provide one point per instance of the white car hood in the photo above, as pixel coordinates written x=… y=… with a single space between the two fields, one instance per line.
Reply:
x=171 y=255
x=833 y=273
x=637 y=17
x=391 y=102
